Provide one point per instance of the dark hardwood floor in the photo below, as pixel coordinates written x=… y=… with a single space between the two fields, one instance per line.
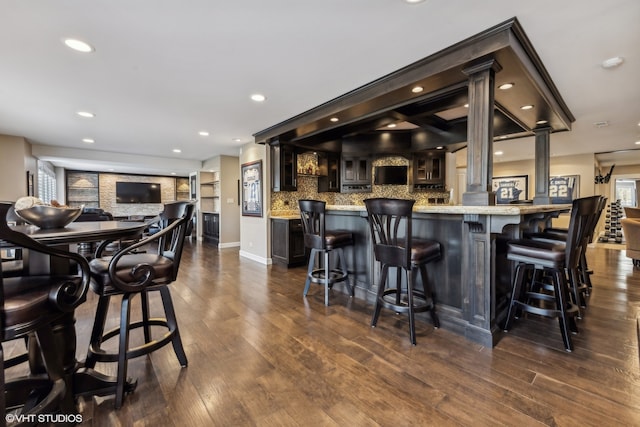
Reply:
x=260 y=354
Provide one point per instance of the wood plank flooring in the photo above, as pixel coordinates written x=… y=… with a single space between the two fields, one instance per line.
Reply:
x=260 y=354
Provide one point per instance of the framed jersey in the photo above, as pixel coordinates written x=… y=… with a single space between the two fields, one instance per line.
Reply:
x=563 y=189
x=510 y=189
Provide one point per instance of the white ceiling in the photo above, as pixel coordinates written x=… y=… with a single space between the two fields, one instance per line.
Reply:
x=164 y=70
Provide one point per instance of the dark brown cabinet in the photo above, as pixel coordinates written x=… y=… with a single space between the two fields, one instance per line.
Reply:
x=211 y=227
x=356 y=174
x=428 y=170
x=284 y=168
x=329 y=171
x=287 y=242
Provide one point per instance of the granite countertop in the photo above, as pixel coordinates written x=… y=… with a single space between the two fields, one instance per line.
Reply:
x=444 y=209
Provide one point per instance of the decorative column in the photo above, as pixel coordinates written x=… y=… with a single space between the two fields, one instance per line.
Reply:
x=542 y=160
x=480 y=133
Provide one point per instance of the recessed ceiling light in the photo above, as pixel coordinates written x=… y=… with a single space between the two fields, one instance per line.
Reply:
x=111 y=170
x=637 y=142
x=88 y=140
x=542 y=122
x=499 y=153
x=506 y=86
x=258 y=97
x=413 y=1
x=203 y=133
x=601 y=124
x=78 y=45
x=237 y=140
x=612 y=62
x=391 y=125
x=177 y=150
x=85 y=114
x=526 y=107
x=417 y=89
x=334 y=119
x=466 y=105
x=173 y=173
x=439 y=147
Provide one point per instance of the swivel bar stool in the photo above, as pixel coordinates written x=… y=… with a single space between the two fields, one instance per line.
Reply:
x=323 y=241
x=394 y=246
x=556 y=260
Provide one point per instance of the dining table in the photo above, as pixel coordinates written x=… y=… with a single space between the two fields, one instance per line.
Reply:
x=82 y=381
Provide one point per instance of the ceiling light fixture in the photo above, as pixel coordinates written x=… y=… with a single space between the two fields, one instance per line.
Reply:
x=391 y=125
x=417 y=89
x=173 y=173
x=506 y=86
x=78 y=45
x=334 y=119
x=466 y=105
x=637 y=142
x=177 y=150
x=86 y=114
x=612 y=62
x=203 y=133
x=601 y=124
x=258 y=97
x=413 y=1
x=499 y=153
x=542 y=122
x=526 y=107
x=88 y=140
x=439 y=147
x=237 y=140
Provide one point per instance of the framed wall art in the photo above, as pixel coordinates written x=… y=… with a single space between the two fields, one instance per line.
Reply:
x=563 y=189
x=251 y=175
x=510 y=188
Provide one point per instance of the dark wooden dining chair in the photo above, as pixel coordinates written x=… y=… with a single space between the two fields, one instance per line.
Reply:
x=390 y=222
x=29 y=307
x=544 y=270
x=323 y=243
x=130 y=273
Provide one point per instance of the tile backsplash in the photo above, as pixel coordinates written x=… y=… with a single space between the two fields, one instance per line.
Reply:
x=308 y=188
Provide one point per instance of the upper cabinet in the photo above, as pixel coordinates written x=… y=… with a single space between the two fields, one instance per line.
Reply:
x=284 y=168
x=428 y=170
x=329 y=172
x=356 y=174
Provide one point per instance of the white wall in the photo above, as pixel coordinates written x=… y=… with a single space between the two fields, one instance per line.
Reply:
x=254 y=231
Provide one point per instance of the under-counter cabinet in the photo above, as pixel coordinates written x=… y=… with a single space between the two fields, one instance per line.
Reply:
x=287 y=242
x=356 y=174
x=284 y=168
x=211 y=227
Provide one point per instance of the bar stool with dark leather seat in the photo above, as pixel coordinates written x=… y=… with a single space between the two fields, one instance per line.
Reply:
x=393 y=245
x=531 y=292
x=130 y=273
x=31 y=305
x=324 y=242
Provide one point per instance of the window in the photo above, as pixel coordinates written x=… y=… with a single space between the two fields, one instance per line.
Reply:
x=46 y=182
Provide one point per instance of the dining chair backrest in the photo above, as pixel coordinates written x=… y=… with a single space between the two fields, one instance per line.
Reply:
x=583 y=211
x=312 y=214
x=390 y=223
x=171 y=244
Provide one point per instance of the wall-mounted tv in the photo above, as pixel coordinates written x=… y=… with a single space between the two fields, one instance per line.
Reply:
x=138 y=192
x=390 y=175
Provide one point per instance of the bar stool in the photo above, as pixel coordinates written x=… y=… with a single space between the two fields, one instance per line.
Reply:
x=322 y=241
x=531 y=292
x=394 y=246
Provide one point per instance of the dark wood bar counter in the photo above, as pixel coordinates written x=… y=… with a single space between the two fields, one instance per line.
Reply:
x=472 y=281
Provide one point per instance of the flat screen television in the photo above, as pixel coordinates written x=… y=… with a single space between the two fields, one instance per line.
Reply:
x=390 y=175
x=138 y=192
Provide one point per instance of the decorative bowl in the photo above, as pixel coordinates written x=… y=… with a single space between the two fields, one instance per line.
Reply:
x=49 y=216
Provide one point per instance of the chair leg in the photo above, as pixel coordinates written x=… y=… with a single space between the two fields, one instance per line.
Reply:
x=95 y=343
x=125 y=316
x=411 y=280
x=342 y=265
x=144 y=299
x=515 y=294
x=172 y=323
x=566 y=328
x=381 y=285
x=327 y=276
x=312 y=262
x=428 y=293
